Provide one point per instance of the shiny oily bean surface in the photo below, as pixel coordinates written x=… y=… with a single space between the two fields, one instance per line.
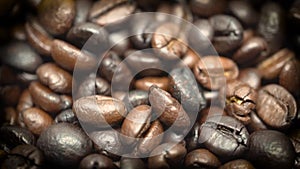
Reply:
x=276 y=106
x=99 y=111
x=64 y=144
x=237 y=164
x=244 y=11
x=57 y=79
x=96 y=161
x=208 y=8
x=250 y=76
x=10 y=94
x=212 y=72
x=224 y=136
x=49 y=101
x=36 y=120
x=82 y=11
x=25 y=101
x=29 y=152
x=10 y=116
x=289 y=76
x=146 y=82
x=201 y=158
x=132 y=163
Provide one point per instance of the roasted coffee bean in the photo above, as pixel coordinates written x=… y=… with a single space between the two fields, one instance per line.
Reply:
x=67 y=116
x=12 y=136
x=10 y=94
x=241 y=100
x=271 y=25
x=271 y=149
x=135 y=98
x=132 y=163
x=38 y=38
x=107 y=11
x=56 y=16
x=25 y=101
x=26 y=78
x=209 y=112
x=295 y=138
x=99 y=111
x=271 y=67
x=244 y=11
x=252 y=51
x=201 y=158
x=169 y=110
x=190 y=59
x=185 y=89
x=251 y=77
x=20 y=56
x=67 y=56
x=240 y=163
x=107 y=142
x=136 y=123
x=289 y=76
x=205 y=28
x=169 y=41
x=173 y=137
x=93 y=85
x=207 y=8
x=146 y=82
x=7 y=75
x=175 y=9
x=228 y=33
x=69 y=143
x=256 y=123
x=119 y=46
x=96 y=161
x=212 y=72
x=47 y=99
x=224 y=136
x=82 y=11
x=248 y=34
x=276 y=106
x=29 y=152
x=10 y=116
x=36 y=120
x=57 y=79
x=192 y=138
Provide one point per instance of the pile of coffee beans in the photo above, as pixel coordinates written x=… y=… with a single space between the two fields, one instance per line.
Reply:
x=154 y=100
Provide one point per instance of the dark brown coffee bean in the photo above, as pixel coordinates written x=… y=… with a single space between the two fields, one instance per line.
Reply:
x=56 y=16
x=244 y=11
x=240 y=163
x=209 y=112
x=248 y=34
x=289 y=76
x=201 y=158
x=175 y=9
x=250 y=76
x=167 y=155
x=26 y=78
x=18 y=32
x=67 y=116
x=276 y=106
x=47 y=99
x=69 y=143
x=212 y=72
x=10 y=116
x=271 y=67
x=36 y=120
x=168 y=109
x=173 y=137
x=169 y=41
x=228 y=33
x=120 y=41
x=31 y=153
x=38 y=38
x=110 y=11
x=252 y=51
x=271 y=149
x=82 y=11
x=295 y=138
x=7 y=75
x=224 y=136
x=99 y=111
x=271 y=25
x=241 y=100
x=190 y=58
x=136 y=123
x=132 y=163
x=256 y=123
x=146 y=82
x=57 y=79
x=207 y=8
x=96 y=161
x=66 y=56
x=20 y=56
x=25 y=101
x=10 y=94
x=135 y=98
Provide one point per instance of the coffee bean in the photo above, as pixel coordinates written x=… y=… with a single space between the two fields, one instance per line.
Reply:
x=228 y=33
x=167 y=155
x=67 y=116
x=36 y=120
x=132 y=163
x=69 y=143
x=107 y=11
x=57 y=79
x=209 y=112
x=173 y=137
x=99 y=111
x=276 y=106
x=67 y=56
x=10 y=94
x=175 y=9
x=10 y=116
x=241 y=100
x=271 y=149
x=224 y=136
x=212 y=72
x=251 y=77
x=256 y=123
x=240 y=163
x=146 y=82
x=295 y=138
x=47 y=99
x=56 y=16
x=82 y=11
x=20 y=56
x=7 y=75
x=168 y=109
x=96 y=161
x=207 y=8
x=190 y=58
x=135 y=98
x=119 y=46
x=31 y=153
x=248 y=34
x=26 y=78
x=271 y=67
x=201 y=158
x=25 y=101
x=289 y=76
x=244 y=11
